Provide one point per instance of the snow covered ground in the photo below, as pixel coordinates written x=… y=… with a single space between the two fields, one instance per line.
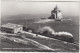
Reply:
x=45 y=21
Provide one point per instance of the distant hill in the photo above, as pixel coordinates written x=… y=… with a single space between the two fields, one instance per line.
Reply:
x=22 y=17
x=25 y=16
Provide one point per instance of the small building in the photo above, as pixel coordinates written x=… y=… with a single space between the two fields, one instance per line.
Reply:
x=11 y=28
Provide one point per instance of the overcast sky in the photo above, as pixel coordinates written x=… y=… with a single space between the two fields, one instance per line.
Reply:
x=15 y=7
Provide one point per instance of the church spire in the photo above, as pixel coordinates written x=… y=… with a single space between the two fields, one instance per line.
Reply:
x=56 y=8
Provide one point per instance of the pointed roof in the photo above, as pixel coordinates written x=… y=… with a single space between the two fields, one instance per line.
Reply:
x=56 y=8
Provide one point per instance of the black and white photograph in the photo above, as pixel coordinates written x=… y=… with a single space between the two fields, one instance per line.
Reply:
x=39 y=26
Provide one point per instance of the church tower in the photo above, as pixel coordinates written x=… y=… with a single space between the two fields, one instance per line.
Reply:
x=56 y=13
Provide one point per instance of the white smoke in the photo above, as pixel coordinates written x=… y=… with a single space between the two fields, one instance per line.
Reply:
x=46 y=28
x=63 y=33
x=52 y=31
x=66 y=36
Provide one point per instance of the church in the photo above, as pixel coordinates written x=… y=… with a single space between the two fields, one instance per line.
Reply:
x=56 y=14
